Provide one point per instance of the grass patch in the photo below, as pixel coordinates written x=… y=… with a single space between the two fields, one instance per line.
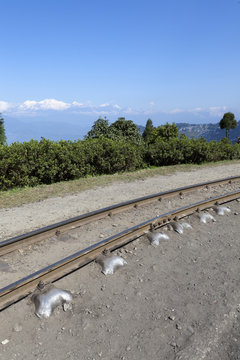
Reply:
x=20 y=196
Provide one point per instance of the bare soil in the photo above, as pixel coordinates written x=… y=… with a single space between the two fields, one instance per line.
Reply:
x=179 y=300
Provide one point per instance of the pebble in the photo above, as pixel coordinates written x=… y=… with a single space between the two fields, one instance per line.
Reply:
x=67 y=307
x=101 y=236
x=4 y=342
x=190 y=329
x=17 y=327
x=81 y=292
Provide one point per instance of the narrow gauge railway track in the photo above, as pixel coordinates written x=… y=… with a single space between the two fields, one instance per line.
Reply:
x=24 y=286
x=41 y=234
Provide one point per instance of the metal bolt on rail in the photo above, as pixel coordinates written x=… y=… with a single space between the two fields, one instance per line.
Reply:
x=221 y=210
x=156 y=237
x=110 y=263
x=46 y=301
x=179 y=227
x=205 y=217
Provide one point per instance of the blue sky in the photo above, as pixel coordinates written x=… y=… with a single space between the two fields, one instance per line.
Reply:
x=75 y=60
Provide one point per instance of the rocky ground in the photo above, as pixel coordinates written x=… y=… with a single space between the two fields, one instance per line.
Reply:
x=179 y=300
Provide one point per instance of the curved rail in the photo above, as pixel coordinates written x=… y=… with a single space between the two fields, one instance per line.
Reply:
x=26 y=285
x=31 y=237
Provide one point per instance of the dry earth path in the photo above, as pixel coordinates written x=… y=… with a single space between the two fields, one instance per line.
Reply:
x=179 y=300
x=31 y=216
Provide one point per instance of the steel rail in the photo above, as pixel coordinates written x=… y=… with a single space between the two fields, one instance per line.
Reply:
x=24 y=286
x=43 y=233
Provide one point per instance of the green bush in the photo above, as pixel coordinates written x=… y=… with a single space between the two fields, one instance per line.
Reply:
x=46 y=162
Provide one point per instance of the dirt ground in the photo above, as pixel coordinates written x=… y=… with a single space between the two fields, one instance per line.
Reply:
x=32 y=216
x=179 y=300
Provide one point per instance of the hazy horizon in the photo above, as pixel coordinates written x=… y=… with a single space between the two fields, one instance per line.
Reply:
x=72 y=127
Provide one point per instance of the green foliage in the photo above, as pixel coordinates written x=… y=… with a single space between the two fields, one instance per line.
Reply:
x=3 y=139
x=121 y=129
x=99 y=129
x=228 y=122
x=108 y=156
x=189 y=151
x=46 y=162
x=147 y=131
x=164 y=132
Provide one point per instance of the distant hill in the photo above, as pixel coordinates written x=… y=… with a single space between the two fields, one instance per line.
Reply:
x=208 y=131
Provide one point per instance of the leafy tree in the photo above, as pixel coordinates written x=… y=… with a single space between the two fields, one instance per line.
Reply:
x=100 y=128
x=123 y=129
x=228 y=122
x=3 y=139
x=165 y=132
x=148 y=129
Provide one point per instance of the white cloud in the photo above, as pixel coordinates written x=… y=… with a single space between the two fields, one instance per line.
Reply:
x=28 y=105
x=32 y=107
x=4 y=106
x=46 y=104
x=129 y=110
x=197 y=109
x=78 y=104
x=54 y=104
x=179 y=111
x=105 y=109
x=213 y=111
x=217 y=110
x=175 y=111
x=104 y=105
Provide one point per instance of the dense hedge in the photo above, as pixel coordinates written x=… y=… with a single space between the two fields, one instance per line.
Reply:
x=190 y=151
x=45 y=162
